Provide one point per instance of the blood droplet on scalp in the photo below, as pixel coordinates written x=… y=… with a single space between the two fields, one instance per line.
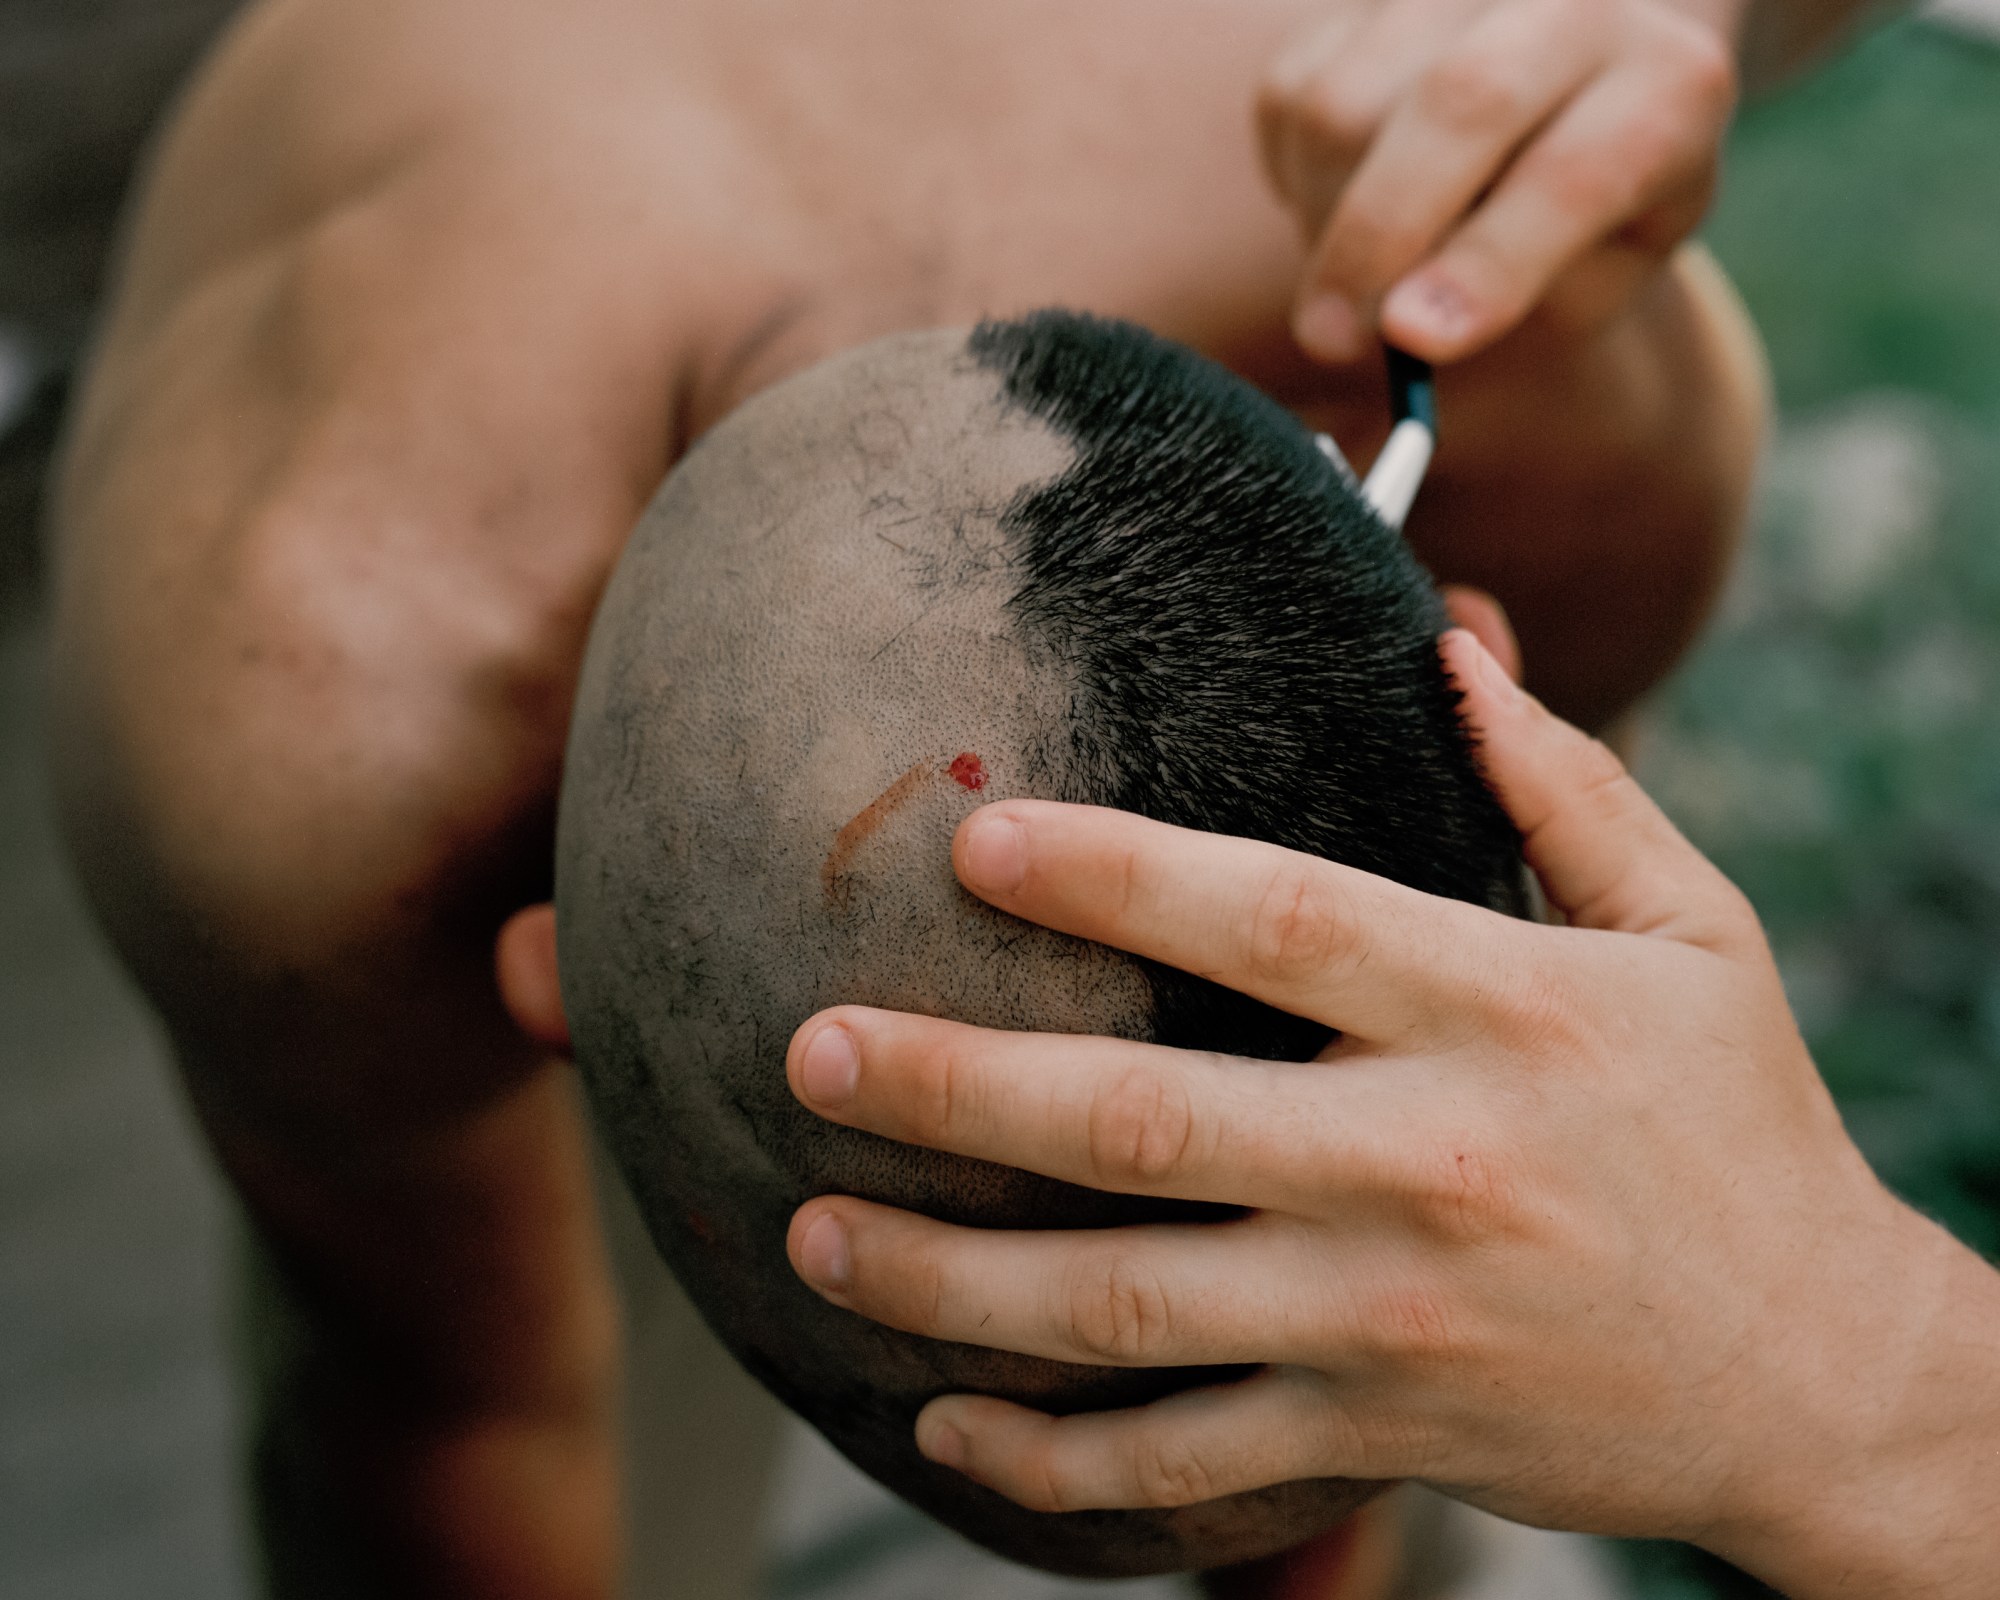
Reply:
x=968 y=770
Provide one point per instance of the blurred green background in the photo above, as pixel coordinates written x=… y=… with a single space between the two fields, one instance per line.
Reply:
x=1835 y=742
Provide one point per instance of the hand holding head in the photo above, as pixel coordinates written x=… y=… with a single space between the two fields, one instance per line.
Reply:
x=1564 y=1223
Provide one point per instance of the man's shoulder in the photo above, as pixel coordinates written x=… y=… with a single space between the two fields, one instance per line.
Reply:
x=896 y=165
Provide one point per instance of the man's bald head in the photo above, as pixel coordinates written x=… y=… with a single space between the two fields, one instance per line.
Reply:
x=1059 y=558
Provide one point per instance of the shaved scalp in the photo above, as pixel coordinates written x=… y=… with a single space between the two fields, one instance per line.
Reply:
x=1059 y=558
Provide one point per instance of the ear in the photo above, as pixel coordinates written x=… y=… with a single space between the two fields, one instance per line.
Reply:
x=1480 y=615
x=524 y=963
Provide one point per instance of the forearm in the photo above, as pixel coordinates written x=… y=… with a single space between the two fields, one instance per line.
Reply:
x=1885 y=1477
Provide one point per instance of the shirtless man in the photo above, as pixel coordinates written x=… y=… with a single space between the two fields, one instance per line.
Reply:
x=420 y=302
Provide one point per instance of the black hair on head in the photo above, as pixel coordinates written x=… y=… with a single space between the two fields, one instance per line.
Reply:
x=1253 y=651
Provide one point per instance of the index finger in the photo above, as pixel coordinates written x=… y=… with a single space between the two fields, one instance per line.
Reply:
x=1460 y=124
x=1609 y=158
x=1108 y=1114
x=1311 y=937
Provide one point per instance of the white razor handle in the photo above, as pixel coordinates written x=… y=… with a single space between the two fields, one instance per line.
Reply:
x=1392 y=483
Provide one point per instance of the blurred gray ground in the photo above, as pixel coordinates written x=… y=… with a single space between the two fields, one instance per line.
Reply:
x=117 y=1471
x=117 y=1418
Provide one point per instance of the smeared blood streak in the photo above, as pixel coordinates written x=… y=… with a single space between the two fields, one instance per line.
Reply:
x=965 y=769
x=864 y=823
x=700 y=1227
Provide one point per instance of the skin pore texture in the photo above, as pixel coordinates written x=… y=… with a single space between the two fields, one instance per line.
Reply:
x=924 y=576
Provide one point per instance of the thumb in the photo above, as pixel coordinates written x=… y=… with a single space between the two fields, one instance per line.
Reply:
x=1607 y=857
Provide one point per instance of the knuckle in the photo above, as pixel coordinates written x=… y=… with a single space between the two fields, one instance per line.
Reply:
x=1657 y=151
x=1117 y=1315
x=932 y=1294
x=1379 y=1441
x=1141 y=1127
x=1366 y=246
x=1338 y=111
x=1705 y=68
x=907 y=1284
x=1539 y=1016
x=1470 y=94
x=1350 y=1443
x=940 y=1091
x=1299 y=929
x=1168 y=1472
x=1585 y=184
x=893 y=1276
x=1044 y=1482
x=1124 y=887
x=1415 y=1326
x=1471 y=1194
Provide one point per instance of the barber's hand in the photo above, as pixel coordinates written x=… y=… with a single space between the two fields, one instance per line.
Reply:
x=1458 y=163
x=1565 y=1223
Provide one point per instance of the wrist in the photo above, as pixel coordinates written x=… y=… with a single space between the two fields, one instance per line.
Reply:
x=1878 y=1471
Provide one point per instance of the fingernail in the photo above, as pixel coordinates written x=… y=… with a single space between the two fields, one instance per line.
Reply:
x=995 y=857
x=830 y=1069
x=1330 y=328
x=1428 y=306
x=944 y=1444
x=823 y=1260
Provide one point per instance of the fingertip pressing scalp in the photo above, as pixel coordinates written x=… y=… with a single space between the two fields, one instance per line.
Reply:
x=992 y=853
